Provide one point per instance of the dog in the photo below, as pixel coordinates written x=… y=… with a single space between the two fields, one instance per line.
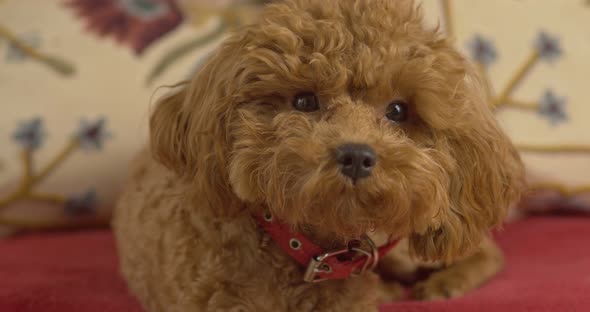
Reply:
x=321 y=160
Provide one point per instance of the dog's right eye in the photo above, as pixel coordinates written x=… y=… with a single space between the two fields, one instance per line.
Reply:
x=306 y=102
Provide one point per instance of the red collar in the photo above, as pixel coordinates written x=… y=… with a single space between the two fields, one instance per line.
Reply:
x=322 y=265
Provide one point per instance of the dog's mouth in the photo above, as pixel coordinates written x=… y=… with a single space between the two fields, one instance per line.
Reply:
x=353 y=210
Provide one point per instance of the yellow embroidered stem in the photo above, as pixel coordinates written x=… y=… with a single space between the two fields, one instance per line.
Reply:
x=483 y=73
x=518 y=76
x=530 y=106
x=27 y=164
x=182 y=50
x=18 y=194
x=30 y=179
x=554 y=149
x=72 y=146
x=57 y=64
x=448 y=17
x=24 y=224
x=26 y=180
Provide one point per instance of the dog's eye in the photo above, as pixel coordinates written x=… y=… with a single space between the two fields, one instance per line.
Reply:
x=397 y=111
x=306 y=102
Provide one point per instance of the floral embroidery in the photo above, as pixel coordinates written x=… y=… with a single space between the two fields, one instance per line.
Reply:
x=26 y=46
x=482 y=50
x=30 y=134
x=140 y=23
x=136 y=23
x=553 y=107
x=92 y=134
x=82 y=204
x=145 y=9
x=15 y=54
x=547 y=46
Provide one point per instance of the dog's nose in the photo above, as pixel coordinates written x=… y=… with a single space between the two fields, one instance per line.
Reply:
x=356 y=160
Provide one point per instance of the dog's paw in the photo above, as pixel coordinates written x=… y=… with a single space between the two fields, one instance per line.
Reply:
x=439 y=286
x=390 y=291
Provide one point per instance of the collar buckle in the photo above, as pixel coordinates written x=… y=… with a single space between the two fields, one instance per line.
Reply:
x=317 y=266
x=320 y=267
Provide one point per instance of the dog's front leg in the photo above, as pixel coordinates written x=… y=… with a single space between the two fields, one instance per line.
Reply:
x=462 y=276
x=389 y=291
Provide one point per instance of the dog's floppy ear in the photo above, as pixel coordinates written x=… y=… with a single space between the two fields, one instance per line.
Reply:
x=188 y=128
x=169 y=132
x=484 y=169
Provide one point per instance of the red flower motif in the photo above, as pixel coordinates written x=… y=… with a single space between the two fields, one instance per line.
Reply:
x=135 y=23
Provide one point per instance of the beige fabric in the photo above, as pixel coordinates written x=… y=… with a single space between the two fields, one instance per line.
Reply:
x=513 y=27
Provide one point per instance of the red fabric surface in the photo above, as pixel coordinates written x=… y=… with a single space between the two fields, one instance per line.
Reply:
x=548 y=269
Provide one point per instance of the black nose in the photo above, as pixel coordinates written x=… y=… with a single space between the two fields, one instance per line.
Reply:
x=356 y=160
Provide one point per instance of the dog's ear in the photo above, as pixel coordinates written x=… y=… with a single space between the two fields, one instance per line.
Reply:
x=484 y=170
x=169 y=133
x=188 y=128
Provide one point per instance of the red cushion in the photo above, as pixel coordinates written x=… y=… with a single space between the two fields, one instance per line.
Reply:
x=548 y=270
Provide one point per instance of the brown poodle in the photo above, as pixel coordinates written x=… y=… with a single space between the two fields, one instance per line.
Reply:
x=350 y=125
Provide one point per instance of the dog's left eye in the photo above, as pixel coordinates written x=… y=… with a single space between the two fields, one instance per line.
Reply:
x=306 y=102
x=397 y=111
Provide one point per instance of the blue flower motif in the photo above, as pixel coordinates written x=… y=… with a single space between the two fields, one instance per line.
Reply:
x=145 y=9
x=14 y=54
x=553 y=107
x=82 y=204
x=547 y=46
x=482 y=50
x=30 y=134
x=92 y=134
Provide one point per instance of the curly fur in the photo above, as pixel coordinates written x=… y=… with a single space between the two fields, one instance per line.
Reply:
x=231 y=145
